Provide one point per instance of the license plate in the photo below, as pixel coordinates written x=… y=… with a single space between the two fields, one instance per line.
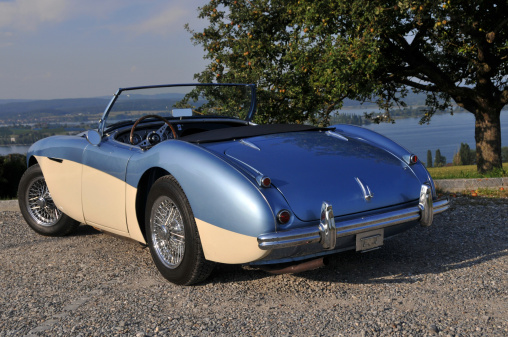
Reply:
x=369 y=240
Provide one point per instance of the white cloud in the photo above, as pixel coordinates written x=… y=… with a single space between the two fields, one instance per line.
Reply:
x=165 y=22
x=26 y=15
x=166 y=17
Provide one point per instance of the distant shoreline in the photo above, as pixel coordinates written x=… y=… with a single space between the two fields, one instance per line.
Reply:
x=15 y=144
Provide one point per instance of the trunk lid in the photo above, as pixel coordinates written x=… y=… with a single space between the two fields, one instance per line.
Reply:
x=311 y=167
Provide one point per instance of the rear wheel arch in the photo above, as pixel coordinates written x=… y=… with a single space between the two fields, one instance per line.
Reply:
x=32 y=161
x=144 y=186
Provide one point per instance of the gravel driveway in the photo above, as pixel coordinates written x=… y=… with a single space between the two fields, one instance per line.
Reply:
x=450 y=279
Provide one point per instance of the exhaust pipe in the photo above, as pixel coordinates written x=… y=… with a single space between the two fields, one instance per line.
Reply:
x=295 y=268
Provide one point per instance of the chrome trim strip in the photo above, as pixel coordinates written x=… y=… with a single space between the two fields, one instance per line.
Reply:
x=246 y=165
x=249 y=144
x=367 y=194
x=308 y=235
x=102 y=121
x=441 y=205
x=336 y=135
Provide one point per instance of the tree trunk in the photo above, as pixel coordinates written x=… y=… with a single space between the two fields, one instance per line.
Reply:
x=488 y=140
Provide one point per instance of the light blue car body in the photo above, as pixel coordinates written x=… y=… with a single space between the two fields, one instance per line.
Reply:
x=362 y=174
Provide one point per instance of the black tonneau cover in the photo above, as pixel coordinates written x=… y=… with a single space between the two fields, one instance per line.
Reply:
x=239 y=132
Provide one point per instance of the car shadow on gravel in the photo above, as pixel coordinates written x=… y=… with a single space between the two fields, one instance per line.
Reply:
x=453 y=242
x=85 y=230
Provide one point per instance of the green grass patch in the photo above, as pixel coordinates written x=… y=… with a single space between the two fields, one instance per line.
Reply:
x=464 y=172
x=492 y=193
x=18 y=132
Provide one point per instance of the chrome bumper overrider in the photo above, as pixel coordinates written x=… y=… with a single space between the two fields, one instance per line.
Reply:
x=327 y=232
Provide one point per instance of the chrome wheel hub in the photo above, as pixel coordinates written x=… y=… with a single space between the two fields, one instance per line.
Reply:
x=168 y=234
x=40 y=204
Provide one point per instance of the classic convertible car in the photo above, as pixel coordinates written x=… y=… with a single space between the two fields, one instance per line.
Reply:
x=183 y=169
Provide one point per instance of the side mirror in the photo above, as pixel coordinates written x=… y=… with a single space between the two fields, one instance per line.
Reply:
x=93 y=137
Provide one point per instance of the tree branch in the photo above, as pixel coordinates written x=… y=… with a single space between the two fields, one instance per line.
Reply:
x=416 y=85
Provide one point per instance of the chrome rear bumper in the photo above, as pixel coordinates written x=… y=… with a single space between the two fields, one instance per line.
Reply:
x=327 y=232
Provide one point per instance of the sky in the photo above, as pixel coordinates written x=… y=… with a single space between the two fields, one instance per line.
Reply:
x=75 y=48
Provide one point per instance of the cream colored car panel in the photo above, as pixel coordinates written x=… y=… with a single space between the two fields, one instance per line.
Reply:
x=115 y=211
x=224 y=246
x=64 y=183
x=132 y=219
x=104 y=200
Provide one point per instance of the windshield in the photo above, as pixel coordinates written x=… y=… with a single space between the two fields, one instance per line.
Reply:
x=181 y=101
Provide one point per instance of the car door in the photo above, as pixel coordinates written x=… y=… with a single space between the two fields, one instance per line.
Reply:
x=103 y=185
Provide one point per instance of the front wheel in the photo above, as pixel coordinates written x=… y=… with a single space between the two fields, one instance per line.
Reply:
x=172 y=234
x=38 y=208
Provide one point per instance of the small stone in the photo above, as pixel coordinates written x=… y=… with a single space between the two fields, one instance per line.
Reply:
x=433 y=328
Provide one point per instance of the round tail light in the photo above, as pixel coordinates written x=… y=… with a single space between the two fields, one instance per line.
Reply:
x=264 y=181
x=413 y=159
x=284 y=216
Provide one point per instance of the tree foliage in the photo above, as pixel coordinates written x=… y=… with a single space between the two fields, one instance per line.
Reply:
x=12 y=168
x=440 y=160
x=345 y=118
x=429 y=158
x=465 y=156
x=306 y=56
x=504 y=152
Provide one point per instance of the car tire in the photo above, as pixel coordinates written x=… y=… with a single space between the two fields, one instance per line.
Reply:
x=172 y=234
x=38 y=208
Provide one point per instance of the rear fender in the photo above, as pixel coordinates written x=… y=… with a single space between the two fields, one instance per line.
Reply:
x=230 y=210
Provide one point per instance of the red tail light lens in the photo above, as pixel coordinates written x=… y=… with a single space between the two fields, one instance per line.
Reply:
x=284 y=216
x=266 y=182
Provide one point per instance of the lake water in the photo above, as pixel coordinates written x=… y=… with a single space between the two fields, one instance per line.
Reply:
x=445 y=132
x=5 y=150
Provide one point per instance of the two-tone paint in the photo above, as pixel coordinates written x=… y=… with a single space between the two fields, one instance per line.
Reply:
x=106 y=185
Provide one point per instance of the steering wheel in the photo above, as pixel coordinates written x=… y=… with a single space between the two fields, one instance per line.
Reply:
x=157 y=134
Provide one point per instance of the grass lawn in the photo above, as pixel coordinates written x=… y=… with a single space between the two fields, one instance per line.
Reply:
x=463 y=172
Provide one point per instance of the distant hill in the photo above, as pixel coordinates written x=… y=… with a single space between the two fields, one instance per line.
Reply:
x=37 y=109
x=5 y=101
x=411 y=99
x=63 y=105
x=12 y=111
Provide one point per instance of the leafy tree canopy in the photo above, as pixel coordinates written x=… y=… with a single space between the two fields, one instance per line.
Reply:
x=465 y=156
x=306 y=56
x=12 y=168
x=440 y=160
x=429 y=158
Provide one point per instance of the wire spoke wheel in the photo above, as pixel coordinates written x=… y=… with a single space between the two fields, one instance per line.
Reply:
x=38 y=208
x=40 y=204
x=172 y=234
x=168 y=233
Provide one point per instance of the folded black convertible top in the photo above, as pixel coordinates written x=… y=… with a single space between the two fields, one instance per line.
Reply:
x=239 y=132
